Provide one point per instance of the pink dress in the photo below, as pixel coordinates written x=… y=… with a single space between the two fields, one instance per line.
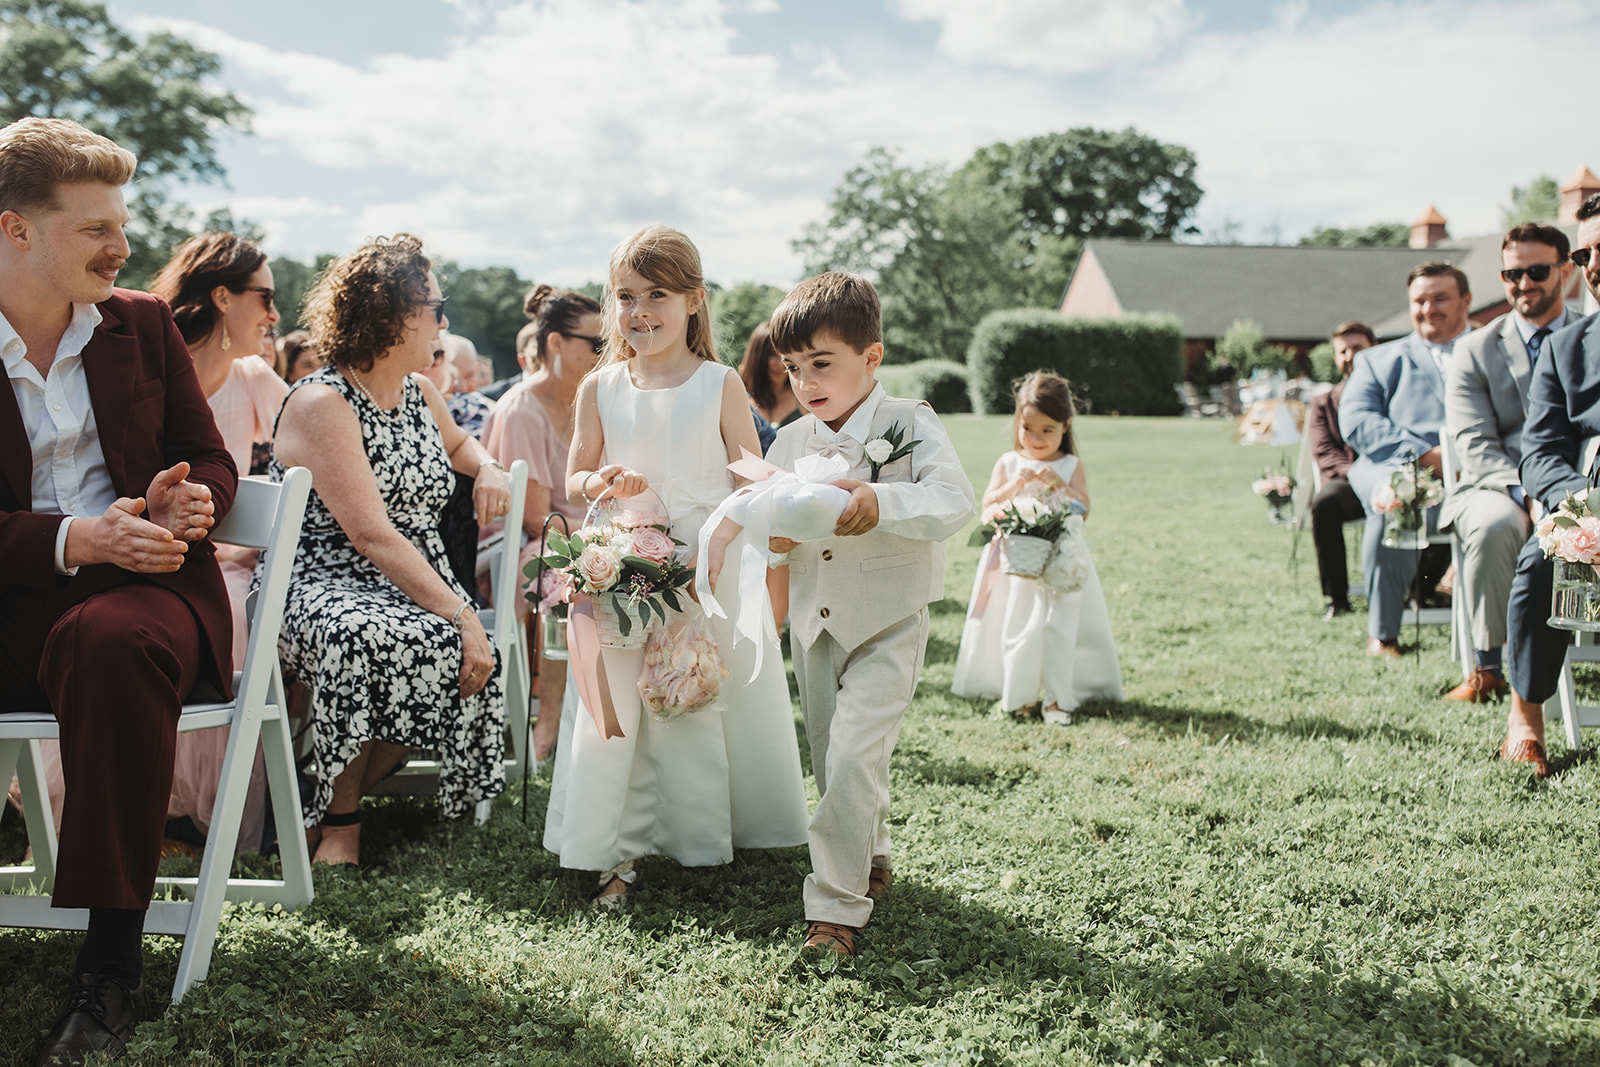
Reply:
x=520 y=428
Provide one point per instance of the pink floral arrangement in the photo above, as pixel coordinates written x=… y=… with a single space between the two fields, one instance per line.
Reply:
x=1572 y=531
x=1275 y=487
x=683 y=670
x=630 y=558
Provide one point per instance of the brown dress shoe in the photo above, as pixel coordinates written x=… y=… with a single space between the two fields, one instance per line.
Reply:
x=1377 y=647
x=1526 y=752
x=1480 y=687
x=830 y=937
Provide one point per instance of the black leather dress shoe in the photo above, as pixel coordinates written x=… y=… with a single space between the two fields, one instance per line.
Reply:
x=101 y=1014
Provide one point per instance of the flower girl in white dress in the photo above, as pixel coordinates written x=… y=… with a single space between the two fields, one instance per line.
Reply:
x=1048 y=639
x=662 y=414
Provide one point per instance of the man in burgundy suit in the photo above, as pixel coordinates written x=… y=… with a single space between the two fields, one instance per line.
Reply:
x=1335 y=503
x=112 y=609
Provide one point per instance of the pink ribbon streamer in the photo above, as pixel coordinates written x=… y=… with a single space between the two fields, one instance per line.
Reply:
x=588 y=668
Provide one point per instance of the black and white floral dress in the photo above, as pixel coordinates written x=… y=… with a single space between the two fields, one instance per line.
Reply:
x=378 y=666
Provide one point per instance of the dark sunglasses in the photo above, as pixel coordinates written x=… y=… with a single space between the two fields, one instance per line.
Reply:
x=596 y=343
x=1579 y=257
x=438 y=308
x=1538 y=272
x=267 y=294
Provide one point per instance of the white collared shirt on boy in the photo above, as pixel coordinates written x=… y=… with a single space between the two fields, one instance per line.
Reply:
x=858 y=615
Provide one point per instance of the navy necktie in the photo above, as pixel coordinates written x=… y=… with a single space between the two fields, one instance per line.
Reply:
x=1535 y=341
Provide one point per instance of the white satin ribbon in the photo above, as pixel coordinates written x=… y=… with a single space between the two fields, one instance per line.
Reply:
x=783 y=504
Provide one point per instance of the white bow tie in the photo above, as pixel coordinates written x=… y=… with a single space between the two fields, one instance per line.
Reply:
x=845 y=447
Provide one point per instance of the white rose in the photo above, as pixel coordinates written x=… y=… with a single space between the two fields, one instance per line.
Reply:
x=879 y=451
x=1032 y=510
x=1406 y=491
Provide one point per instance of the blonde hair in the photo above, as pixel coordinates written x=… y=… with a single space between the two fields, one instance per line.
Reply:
x=36 y=155
x=1050 y=395
x=665 y=257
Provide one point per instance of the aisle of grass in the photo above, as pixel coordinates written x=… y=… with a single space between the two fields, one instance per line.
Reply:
x=1276 y=851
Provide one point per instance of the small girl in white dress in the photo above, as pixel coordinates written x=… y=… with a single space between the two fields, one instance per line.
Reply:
x=1025 y=639
x=661 y=413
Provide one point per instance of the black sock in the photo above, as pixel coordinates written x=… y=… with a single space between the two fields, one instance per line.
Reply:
x=112 y=944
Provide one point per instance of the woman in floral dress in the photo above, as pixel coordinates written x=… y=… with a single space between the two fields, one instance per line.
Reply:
x=376 y=626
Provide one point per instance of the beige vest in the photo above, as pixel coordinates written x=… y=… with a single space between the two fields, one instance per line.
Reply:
x=854 y=588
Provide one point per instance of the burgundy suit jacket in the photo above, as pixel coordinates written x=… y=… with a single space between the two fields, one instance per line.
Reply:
x=1332 y=455
x=151 y=414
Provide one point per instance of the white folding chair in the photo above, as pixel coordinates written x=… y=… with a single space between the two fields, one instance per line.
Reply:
x=267 y=516
x=509 y=637
x=1585 y=648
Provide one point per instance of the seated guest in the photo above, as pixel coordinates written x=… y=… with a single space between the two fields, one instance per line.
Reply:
x=1563 y=413
x=533 y=422
x=1486 y=397
x=114 y=609
x=220 y=290
x=468 y=407
x=297 y=356
x=767 y=383
x=1335 y=503
x=1393 y=408
x=382 y=634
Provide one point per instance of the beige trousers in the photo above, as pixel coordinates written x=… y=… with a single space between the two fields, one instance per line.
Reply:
x=1492 y=530
x=853 y=704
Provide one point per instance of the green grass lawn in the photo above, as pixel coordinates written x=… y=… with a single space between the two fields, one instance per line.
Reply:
x=1275 y=852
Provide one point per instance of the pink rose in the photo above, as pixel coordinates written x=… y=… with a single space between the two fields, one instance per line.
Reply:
x=633 y=518
x=599 y=567
x=555 y=587
x=651 y=544
x=1581 y=543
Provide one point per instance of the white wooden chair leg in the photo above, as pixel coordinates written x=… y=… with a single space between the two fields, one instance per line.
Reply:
x=1566 y=692
x=24 y=758
x=283 y=790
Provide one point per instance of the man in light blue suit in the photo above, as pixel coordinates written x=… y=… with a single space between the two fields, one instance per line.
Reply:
x=1393 y=408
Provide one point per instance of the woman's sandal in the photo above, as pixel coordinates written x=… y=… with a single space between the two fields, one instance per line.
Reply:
x=611 y=901
x=338 y=822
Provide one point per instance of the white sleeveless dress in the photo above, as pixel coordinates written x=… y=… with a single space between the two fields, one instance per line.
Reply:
x=706 y=783
x=1031 y=643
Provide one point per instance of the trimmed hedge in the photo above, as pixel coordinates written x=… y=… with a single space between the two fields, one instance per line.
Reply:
x=1127 y=365
x=941 y=382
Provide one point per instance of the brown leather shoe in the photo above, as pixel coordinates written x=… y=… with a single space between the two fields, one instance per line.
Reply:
x=830 y=937
x=878 y=882
x=1377 y=647
x=1480 y=687
x=1526 y=752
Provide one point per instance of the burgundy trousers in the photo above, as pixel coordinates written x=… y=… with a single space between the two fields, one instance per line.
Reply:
x=113 y=667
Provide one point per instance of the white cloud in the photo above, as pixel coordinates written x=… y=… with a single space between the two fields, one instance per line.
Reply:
x=1062 y=36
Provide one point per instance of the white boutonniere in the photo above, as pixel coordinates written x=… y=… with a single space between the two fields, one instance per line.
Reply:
x=886 y=449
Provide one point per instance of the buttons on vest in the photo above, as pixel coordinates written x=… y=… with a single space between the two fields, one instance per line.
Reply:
x=823 y=613
x=827 y=554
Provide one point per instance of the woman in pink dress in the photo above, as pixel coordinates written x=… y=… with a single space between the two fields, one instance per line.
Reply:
x=533 y=422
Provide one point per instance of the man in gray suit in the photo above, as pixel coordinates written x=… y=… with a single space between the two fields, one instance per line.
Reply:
x=1486 y=401
x=1392 y=409
x=1563 y=412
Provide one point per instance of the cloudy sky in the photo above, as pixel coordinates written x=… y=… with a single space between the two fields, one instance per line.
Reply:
x=538 y=133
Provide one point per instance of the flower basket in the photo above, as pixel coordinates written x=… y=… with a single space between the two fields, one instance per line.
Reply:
x=1405 y=527
x=608 y=624
x=1024 y=555
x=1575 y=597
x=1069 y=559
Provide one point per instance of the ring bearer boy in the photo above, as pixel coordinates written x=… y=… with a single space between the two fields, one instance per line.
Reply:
x=858 y=601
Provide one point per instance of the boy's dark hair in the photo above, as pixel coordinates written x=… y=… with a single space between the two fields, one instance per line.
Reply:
x=843 y=305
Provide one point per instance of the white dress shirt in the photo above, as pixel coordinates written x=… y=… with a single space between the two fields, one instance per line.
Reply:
x=69 y=466
x=938 y=503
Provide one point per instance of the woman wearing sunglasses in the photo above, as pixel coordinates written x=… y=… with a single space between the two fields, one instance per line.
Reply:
x=533 y=422
x=378 y=628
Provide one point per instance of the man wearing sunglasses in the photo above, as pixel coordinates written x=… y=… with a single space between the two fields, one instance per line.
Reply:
x=1486 y=402
x=1563 y=414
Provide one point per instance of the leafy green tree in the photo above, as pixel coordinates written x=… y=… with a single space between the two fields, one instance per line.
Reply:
x=1095 y=183
x=1246 y=347
x=485 y=305
x=1538 y=201
x=293 y=279
x=68 y=59
x=738 y=310
x=1378 y=235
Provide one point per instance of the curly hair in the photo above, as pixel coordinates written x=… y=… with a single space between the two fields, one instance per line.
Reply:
x=198 y=266
x=358 y=307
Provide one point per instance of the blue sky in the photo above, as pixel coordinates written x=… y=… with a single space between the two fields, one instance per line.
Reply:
x=539 y=133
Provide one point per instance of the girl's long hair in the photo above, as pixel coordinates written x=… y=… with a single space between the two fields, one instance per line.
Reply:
x=664 y=257
x=1051 y=394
